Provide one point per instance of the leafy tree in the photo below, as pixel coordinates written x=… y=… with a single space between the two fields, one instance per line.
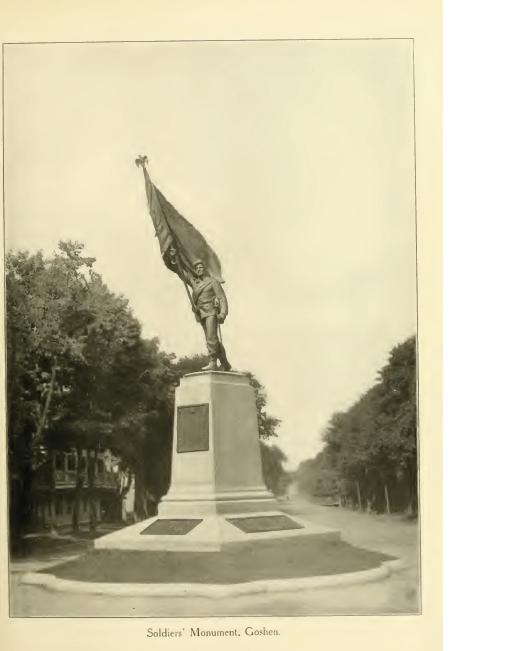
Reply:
x=143 y=432
x=306 y=475
x=372 y=446
x=81 y=376
x=394 y=446
x=267 y=424
x=46 y=320
x=274 y=474
x=189 y=364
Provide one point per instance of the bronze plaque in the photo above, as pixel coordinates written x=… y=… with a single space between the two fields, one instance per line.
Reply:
x=170 y=528
x=259 y=523
x=192 y=428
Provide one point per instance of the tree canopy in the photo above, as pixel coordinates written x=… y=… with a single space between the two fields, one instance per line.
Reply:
x=80 y=375
x=370 y=450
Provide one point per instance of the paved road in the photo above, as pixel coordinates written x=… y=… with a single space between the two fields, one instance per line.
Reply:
x=396 y=594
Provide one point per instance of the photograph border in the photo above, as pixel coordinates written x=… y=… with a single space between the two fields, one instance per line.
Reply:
x=420 y=514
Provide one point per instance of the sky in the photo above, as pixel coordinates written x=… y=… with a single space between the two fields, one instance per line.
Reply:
x=294 y=159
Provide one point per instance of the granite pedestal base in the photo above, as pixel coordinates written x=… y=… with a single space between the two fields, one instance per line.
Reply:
x=217 y=496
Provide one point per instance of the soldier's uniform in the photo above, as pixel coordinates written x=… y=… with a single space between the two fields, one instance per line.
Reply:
x=211 y=309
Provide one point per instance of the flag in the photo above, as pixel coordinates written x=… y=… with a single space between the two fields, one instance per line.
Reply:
x=173 y=230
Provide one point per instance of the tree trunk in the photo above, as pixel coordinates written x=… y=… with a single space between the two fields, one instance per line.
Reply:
x=91 y=470
x=52 y=517
x=52 y=496
x=140 y=499
x=45 y=411
x=387 y=502
x=412 y=487
x=123 y=496
x=21 y=473
x=359 y=494
x=17 y=526
x=77 y=494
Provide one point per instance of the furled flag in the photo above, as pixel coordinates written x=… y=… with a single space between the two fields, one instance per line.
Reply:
x=174 y=232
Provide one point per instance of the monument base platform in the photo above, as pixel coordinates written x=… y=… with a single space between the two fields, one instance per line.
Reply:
x=212 y=532
x=217 y=497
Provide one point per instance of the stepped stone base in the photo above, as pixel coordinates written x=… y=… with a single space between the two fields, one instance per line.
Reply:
x=212 y=533
x=217 y=496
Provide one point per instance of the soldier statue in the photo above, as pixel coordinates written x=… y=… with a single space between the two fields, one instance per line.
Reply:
x=210 y=309
x=182 y=248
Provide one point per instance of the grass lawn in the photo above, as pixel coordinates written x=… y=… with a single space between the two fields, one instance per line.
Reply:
x=282 y=559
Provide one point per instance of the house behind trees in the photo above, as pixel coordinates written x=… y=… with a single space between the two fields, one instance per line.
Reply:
x=60 y=482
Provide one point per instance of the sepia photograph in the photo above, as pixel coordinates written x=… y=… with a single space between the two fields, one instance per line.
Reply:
x=211 y=330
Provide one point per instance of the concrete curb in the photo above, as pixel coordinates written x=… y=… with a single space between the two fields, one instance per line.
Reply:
x=26 y=567
x=210 y=590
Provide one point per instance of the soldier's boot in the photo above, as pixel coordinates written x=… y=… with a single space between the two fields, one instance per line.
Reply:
x=224 y=362
x=211 y=366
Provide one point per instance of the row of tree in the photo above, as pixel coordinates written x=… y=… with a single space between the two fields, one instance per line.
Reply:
x=81 y=375
x=370 y=455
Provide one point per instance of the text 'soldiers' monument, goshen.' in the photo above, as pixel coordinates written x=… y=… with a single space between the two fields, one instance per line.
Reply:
x=217 y=496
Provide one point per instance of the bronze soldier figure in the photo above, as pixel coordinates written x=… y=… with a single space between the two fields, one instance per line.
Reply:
x=210 y=310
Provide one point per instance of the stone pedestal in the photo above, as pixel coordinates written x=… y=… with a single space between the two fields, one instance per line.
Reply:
x=216 y=463
x=217 y=495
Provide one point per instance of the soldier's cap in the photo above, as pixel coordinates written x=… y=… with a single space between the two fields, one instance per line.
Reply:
x=198 y=262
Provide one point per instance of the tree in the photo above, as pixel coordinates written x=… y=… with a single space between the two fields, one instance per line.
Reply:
x=372 y=446
x=274 y=474
x=189 y=364
x=317 y=477
x=394 y=446
x=306 y=475
x=267 y=424
x=81 y=376
x=45 y=338
x=143 y=432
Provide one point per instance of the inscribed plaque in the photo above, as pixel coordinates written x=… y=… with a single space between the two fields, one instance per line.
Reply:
x=178 y=527
x=261 y=523
x=193 y=428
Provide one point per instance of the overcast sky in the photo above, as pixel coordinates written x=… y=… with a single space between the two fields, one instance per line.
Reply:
x=294 y=159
